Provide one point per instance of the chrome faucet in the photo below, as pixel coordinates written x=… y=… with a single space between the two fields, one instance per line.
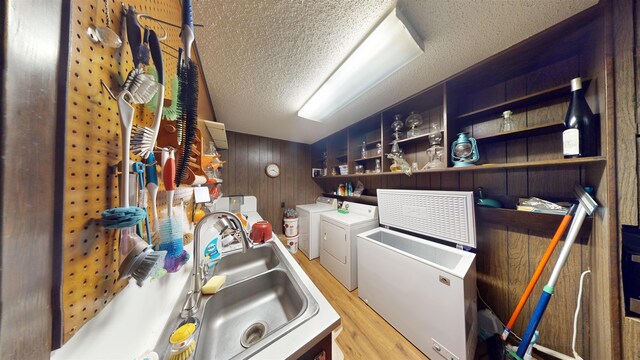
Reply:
x=227 y=224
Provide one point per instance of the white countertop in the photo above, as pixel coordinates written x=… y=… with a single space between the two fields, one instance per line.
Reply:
x=134 y=320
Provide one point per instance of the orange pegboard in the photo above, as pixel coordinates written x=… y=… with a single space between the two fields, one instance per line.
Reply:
x=93 y=138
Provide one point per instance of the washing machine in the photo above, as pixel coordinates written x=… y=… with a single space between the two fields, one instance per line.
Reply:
x=338 y=239
x=309 y=224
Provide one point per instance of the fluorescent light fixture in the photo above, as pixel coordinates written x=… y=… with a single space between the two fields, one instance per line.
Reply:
x=390 y=46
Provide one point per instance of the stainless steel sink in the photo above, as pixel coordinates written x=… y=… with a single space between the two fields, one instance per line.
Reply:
x=241 y=316
x=239 y=266
x=262 y=300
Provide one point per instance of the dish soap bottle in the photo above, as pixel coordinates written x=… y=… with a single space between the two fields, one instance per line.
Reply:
x=580 y=137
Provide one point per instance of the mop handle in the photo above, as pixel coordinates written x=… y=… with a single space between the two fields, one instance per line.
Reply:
x=581 y=213
x=566 y=220
x=535 y=320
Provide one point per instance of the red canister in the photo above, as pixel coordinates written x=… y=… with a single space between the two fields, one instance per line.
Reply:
x=260 y=232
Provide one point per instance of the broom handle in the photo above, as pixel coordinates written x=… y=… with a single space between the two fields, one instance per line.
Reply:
x=548 y=290
x=536 y=275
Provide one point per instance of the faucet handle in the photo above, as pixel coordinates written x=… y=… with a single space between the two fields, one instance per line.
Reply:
x=190 y=306
x=204 y=270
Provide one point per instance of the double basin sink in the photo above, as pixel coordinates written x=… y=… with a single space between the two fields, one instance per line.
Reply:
x=262 y=300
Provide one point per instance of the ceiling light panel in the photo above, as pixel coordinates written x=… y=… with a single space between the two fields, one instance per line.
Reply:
x=390 y=46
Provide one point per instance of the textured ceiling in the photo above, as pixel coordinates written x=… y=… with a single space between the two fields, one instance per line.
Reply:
x=263 y=59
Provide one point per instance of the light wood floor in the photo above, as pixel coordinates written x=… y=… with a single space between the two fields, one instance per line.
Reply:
x=365 y=335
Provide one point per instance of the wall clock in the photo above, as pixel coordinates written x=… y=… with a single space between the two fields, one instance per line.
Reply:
x=272 y=170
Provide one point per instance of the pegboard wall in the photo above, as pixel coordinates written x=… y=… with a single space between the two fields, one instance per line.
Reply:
x=93 y=140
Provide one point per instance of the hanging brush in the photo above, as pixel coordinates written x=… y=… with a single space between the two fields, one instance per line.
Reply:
x=181 y=85
x=134 y=36
x=188 y=98
x=142 y=261
x=144 y=138
x=124 y=216
x=169 y=229
x=171 y=112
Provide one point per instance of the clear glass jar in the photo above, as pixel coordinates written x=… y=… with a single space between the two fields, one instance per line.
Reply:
x=378 y=166
x=414 y=120
x=507 y=122
x=435 y=135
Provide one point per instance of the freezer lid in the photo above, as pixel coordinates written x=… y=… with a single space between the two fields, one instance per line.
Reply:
x=444 y=215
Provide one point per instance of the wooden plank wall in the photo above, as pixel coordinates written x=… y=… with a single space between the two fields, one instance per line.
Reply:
x=508 y=256
x=244 y=174
x=32 y=98
x=627 y=67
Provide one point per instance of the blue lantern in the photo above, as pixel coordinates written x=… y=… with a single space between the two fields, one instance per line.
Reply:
x=464 y=151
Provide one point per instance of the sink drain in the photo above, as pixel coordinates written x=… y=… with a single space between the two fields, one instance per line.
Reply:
x=253 y=334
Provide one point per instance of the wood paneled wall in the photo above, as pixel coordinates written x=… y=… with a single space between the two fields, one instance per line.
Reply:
x=626 y=17
x=244 y=174
x=32 y=98
x=507 y=256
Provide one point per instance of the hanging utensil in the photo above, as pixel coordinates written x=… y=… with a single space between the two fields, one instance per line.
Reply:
x=188 y=98
x=104 y=34
x=134 y=35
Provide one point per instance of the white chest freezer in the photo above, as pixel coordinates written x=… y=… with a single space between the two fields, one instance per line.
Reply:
x=425 y=289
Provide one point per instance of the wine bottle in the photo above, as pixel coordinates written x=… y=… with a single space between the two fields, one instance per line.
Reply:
x=580 y=137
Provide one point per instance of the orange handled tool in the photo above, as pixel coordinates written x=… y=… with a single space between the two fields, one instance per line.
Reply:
x=543 y=262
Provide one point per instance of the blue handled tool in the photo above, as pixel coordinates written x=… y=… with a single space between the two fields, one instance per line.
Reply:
x=138 y=167
x=586 y=207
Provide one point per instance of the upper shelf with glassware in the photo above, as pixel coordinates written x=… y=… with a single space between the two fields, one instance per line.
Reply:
x=555 y=92
x=505 y=113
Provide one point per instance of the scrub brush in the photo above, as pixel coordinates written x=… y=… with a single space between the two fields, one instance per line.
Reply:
x=141 y=86
x=182 y=342
x=144 y=138
x=169 y=228
x=137 y=89
x=141 y=262
x=171 y=112
x=188 y=97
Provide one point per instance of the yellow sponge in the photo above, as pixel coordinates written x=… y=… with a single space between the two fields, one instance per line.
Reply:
x=214 y=284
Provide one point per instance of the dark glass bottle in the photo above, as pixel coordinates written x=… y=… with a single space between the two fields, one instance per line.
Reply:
x=580 y=137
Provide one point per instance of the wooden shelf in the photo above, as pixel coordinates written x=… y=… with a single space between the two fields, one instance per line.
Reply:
x=341 y=156
x=368 y=158
x=488 y=167
x=547 y=223
x=517 y=134
x=372 y=142
x=423 y=136
x=363 y=199
x=531 y=99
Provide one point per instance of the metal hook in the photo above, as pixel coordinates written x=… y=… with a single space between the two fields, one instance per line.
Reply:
x=168 y=53
x=147 y=16
x=169 y=46
x=108 y=90
x=160 y=22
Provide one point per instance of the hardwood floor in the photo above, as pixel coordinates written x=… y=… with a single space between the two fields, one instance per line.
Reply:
x=365 y=335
